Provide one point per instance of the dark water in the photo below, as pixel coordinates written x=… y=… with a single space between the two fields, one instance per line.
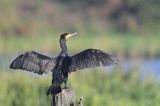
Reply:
x=146 y=66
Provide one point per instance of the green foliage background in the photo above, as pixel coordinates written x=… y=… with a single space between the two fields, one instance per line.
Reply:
x=96 y=87
x=125 y=28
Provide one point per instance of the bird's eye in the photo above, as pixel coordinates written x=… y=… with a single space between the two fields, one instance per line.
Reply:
x=65 y=37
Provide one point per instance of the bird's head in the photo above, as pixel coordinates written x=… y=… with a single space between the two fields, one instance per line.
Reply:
x=66 y=36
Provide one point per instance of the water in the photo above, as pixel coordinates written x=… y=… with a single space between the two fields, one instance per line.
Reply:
x=147 y=66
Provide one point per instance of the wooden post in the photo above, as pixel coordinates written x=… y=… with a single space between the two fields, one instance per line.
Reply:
x=53 y=101
x=66 y=98
x=80 y=102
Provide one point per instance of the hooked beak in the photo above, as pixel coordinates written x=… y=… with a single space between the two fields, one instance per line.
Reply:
x=70 y=35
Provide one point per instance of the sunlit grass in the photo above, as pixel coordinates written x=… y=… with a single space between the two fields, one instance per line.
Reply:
x=128 y=44
x=96 y=87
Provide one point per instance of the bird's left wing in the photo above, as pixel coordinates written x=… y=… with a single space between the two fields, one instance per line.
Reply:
x=34 y=62
x=90 y=58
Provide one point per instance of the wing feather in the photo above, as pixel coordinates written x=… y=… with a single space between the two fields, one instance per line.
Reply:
x=34 y=62
x=91 y=58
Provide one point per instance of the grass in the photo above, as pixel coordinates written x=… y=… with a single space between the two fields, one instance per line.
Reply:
x=18 y=88
x=113 y=42
x=93 y=26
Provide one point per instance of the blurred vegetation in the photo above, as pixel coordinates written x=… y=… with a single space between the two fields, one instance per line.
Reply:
x=119 y=44
x=120 y=24
x=97 y=89
x=121 y=27
x=36 y=17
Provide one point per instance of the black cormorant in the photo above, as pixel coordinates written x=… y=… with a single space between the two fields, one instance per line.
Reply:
x=62 y=64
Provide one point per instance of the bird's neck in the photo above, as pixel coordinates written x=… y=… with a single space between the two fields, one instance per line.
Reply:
x=63 y=46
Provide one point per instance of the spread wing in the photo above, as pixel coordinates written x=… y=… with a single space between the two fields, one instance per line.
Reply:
x=90 y=58
x=33 y=62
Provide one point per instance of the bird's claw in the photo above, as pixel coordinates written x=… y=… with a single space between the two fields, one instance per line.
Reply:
x=65 y=87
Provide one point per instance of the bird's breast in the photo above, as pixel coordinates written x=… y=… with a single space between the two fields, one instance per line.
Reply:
x=66 y=63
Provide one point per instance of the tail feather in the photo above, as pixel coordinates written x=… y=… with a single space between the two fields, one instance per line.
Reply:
x=54 y=89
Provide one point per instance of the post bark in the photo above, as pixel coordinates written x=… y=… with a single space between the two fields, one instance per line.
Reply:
x=66 y=98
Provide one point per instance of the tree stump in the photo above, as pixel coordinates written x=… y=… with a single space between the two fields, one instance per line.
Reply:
x=66 y=98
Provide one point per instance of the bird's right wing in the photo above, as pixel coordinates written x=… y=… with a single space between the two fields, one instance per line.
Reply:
x=34 y=62
x=90 y=58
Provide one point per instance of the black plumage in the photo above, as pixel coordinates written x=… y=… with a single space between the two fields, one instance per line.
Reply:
x=90 y=58
x=34 y=62
x=62 y=64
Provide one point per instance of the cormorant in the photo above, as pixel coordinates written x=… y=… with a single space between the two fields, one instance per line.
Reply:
x=63 y=64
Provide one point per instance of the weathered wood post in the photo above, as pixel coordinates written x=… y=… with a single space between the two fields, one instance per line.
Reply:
x=66 y=98
x=80 y=102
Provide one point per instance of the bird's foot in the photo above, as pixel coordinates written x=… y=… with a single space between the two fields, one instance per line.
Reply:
x=65 y=87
